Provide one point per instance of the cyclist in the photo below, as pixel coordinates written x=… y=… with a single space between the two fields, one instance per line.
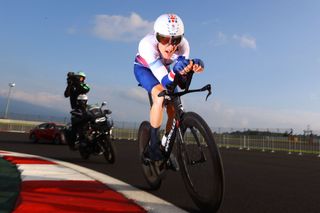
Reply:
x=75 y=87
x=156 y=52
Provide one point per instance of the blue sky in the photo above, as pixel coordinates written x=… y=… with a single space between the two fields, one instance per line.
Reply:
x=262 y=57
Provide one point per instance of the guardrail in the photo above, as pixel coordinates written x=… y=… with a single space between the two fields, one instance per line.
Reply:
x=288 y=144
x=129 y=131
x=8 y=125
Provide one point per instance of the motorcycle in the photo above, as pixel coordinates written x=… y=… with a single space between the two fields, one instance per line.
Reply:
x=98 y=134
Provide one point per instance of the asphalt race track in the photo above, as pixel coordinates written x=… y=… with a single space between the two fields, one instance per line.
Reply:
x=254 y=181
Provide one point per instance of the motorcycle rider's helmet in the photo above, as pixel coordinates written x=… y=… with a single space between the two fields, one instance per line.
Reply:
x=169 y=28
x=81 y=75
x=82 y=100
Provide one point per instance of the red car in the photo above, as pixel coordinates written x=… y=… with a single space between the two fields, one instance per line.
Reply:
x=52 y=132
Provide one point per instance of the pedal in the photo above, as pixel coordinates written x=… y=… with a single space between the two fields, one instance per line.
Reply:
x=145 y=161
x=172 y=163
x=160 y=168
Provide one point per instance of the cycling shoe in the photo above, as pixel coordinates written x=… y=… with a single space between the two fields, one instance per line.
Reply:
x=152 y=155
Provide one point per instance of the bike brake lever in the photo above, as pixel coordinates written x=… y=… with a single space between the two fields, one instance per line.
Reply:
x=207 y=87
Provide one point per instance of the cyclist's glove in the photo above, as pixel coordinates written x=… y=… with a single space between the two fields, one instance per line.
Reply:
x=182 y=63
x=199 y=62
x=178 y=68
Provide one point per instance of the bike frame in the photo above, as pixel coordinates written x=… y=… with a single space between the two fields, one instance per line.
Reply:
x=186 y=127
x=173 y=96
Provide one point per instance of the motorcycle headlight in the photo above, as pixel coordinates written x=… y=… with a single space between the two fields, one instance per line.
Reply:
x=99 y=120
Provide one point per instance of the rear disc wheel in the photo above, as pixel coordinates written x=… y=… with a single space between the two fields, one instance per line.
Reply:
x=150 y=171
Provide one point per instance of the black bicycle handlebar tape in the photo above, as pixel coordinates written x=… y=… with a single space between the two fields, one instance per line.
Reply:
x=189 y=78
x=162 y=93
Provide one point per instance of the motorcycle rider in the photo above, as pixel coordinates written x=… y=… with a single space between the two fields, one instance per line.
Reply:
x=75 y=87
x=79 y=118
x=156 y=52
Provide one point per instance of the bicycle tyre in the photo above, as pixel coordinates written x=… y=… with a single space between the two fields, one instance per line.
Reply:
x=153 y=180
x=110 y=150
x=211 y=202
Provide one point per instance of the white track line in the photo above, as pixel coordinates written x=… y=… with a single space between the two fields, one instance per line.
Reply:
x=148 y=201
x=49 y=172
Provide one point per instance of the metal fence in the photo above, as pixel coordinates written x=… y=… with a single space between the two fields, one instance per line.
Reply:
x=290 y=144
x=17 y=125
x=299 y=144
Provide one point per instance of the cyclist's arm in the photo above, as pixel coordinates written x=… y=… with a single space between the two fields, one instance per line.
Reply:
x=67 y=92
x=150 y=54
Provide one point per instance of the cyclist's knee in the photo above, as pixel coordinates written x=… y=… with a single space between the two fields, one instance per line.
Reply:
x=156 y=99
x=157 y=89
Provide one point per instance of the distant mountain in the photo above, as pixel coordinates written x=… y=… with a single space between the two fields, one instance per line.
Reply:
x=27 y=111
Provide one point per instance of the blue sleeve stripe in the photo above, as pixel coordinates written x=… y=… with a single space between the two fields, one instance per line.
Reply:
x=165 y=81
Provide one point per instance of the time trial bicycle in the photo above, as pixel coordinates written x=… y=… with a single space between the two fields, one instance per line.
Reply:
x=198 y=155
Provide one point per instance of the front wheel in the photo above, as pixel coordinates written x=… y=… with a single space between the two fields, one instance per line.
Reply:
x=109 y=150
x=200 y=160
x=84 y=152
x=149 y=171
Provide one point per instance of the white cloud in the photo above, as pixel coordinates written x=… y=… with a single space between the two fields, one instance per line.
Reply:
x=246 y=41
x=211 y=21
x=127 y=104
x=40 y=98
x=138 y=95
x=219 y=114
x=72 y=30
x=314 y=96
x=120 y=28
x=220 y=39
x=222 y=36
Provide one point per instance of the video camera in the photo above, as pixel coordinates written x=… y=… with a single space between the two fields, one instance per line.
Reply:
x=72 y=78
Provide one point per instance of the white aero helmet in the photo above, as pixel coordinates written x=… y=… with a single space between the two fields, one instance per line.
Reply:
x=169 y=25
x=82 y=97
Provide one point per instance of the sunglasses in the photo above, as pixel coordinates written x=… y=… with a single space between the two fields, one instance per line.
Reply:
x=174 y=40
